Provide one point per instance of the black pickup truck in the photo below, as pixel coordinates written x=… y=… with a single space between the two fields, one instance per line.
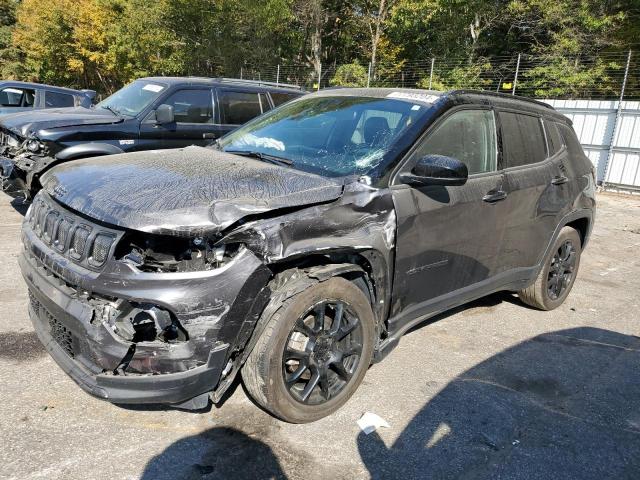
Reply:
x=149 y=113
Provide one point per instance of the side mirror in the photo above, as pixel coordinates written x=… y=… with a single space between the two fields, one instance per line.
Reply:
x=164 y=114
x=437 y=170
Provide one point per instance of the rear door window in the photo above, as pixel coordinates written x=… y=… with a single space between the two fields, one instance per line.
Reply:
x=58 y=100
x=468 y=136
x=237 y=108
x=191 y=106
x=17 y=97
x=522 y=138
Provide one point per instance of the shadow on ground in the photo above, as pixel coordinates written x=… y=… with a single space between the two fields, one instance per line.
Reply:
x=561 y=405
x=20 y=205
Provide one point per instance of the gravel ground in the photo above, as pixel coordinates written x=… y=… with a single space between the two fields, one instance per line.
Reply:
x=493 y=389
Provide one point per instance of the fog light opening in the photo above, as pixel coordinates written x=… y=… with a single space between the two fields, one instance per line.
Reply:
x=149 y=323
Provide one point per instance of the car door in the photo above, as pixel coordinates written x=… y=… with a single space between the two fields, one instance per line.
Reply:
x=237 y=106
x=536 y=193
x=448 y=237
x=193 y=121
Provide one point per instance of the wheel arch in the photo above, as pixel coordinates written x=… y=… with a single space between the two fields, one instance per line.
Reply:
x=583 y=226
x=87 y=150
x=293 y=276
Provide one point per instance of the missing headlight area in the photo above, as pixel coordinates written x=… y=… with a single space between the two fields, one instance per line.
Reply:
x=167 y=254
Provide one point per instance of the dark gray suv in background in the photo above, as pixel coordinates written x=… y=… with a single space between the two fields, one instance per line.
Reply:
x=301 y=247
x=147 y=114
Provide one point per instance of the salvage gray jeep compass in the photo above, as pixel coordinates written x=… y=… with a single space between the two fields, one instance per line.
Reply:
x=300 y=248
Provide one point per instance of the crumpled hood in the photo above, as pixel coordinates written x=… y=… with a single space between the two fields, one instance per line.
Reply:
x=30 y=122
x=184 y=191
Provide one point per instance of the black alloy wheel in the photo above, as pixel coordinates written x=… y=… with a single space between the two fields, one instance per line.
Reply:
x=322 y=352
x=561 y=270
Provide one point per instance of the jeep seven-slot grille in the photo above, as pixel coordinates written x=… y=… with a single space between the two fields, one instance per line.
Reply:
x=74 y=237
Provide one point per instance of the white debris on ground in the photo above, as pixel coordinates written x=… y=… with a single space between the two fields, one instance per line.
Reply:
x=370 y=422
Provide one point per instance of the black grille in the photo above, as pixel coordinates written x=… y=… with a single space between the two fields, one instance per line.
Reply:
x=100 y=251
x=60 y=334
x=35 y=304
x=79 y=242
x=50 y=225
x=42 y=213
x=62 y=234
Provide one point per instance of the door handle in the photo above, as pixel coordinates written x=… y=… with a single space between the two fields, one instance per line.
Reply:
x=559 y=180
x=209 y=136
x=494 y=196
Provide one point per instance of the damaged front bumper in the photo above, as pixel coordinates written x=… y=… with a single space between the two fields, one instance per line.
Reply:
x=69 y=319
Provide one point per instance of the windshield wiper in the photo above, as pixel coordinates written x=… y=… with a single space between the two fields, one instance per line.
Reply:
x=112 y=110
x=265 y=157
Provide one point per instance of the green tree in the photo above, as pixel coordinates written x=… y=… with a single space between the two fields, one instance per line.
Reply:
x=350 y=75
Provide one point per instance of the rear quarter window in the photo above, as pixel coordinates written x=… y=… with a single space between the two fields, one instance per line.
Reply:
x=571 y=140
x=522 y=139
x=554 y=140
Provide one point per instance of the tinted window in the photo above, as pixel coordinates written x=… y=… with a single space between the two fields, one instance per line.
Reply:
x=237 y=108
x=264 y=103
x=17 y=97
x=191 y=106
x=280 y=98
x=571 y=141
x=553 y=137
x=58 y=100
x=522 y=138
x=467 y=135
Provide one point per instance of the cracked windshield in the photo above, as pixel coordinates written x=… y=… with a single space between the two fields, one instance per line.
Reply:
x=330 y=136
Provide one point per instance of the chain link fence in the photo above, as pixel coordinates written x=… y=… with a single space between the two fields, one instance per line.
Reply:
x=596 y=77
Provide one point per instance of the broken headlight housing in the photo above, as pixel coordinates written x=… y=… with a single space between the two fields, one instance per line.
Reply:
x=166 y=254
x=33 y=145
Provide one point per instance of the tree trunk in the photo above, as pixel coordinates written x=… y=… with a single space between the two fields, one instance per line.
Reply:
x=316 y=36
x=376 y=32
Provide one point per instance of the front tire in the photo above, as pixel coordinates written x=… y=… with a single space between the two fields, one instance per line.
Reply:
x=556 y=278
x=314 y=352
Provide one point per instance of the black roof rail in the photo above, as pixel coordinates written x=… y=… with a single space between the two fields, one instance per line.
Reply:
x=260 y=82
x=502 y=95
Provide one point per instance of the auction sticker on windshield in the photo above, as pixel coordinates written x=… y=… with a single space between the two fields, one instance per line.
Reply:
x=414 y=97
x=153 y=87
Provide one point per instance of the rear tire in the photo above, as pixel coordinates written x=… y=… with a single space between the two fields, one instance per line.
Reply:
x=298 y=348
x=559 y=271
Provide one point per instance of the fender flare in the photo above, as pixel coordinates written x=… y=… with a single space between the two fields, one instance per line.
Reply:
x=88 y=150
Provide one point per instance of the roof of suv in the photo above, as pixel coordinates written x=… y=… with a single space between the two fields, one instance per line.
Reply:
x=215 y=81
x=468 y=96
